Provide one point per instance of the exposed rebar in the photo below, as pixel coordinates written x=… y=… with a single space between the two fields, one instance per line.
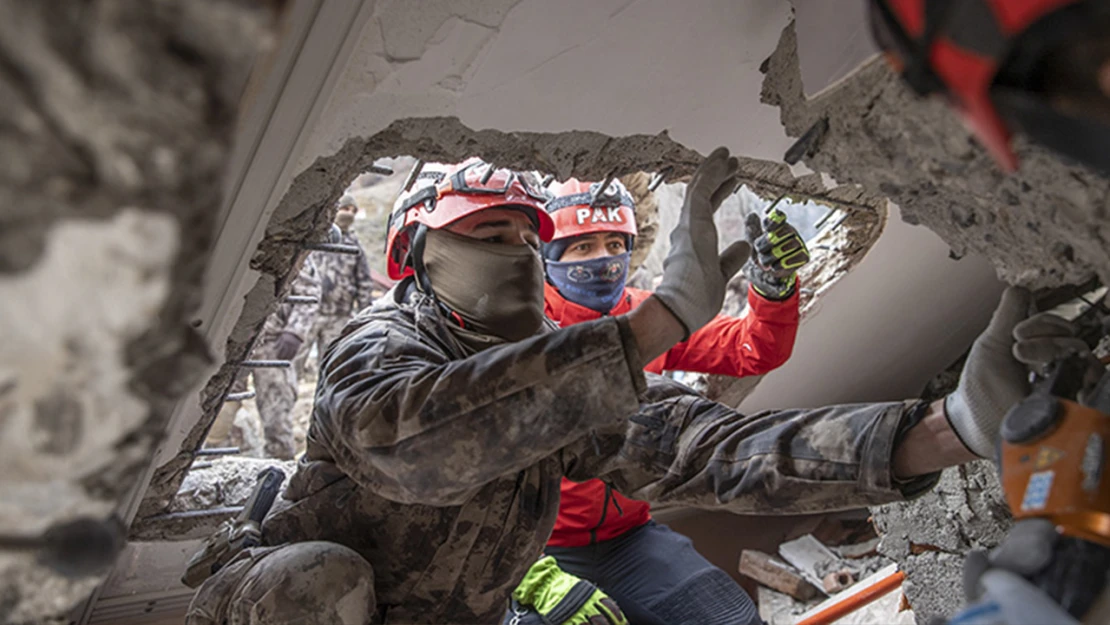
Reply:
x=195 y=514
x=658 y=177
x=302 y=299
x=217 y=451
x=263 y=364
x=335 y=248
x=239 y=396
x=412 y=176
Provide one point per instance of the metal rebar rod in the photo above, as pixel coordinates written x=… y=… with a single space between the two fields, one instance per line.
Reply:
x=302 y=299
x=239 y=396
x=378 y=169
x=263 y=364
x=335 y=248
x=603 y=188
x=196 y=466
x=195 y=514
x=217 y=451
x=412 y=176
x=824 y=218
x=657 y=178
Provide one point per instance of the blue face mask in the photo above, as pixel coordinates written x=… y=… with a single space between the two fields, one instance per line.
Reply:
x=596 y=284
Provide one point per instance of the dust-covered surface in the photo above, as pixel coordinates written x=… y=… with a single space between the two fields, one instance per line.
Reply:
x=1043 y=226
x=930 y=536
x=116 y=123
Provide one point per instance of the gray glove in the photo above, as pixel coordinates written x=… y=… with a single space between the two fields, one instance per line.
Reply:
x=998 y=580
x=694 y=276
x=996 y=375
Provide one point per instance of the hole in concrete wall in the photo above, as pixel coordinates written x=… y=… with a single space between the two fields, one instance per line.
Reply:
x=827 y=230
x=308 y=207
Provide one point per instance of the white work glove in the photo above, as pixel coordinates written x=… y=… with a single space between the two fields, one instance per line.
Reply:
x=997 y=582
x=996 y=375
x=694 y=276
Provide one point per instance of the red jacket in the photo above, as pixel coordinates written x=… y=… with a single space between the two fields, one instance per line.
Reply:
x=756 y=343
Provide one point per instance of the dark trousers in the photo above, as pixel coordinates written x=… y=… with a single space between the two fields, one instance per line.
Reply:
x=658 y=578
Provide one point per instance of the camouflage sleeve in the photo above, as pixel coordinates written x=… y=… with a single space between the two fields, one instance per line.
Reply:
x=399 y=416
x=363 y=281
x=302 y=316
x=684 y=449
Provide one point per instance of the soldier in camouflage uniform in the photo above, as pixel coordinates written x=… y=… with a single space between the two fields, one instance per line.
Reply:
x=345 y=284
x=282 y=336
x=447 y=414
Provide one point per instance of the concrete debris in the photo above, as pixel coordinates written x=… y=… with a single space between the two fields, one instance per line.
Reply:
x=774 y=573
x=930 y=536
x=887 y=608
x=117 y=120
x=225 y=485
x=1041 y=227
x=837 y=581
x=813 y=559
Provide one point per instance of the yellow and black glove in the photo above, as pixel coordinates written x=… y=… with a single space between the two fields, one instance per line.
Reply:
x=778 y=253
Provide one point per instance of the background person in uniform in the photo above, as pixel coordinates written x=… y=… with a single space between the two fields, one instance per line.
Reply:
x=346 y=285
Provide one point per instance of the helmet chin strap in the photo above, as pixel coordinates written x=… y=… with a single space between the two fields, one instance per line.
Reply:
x=423 y=282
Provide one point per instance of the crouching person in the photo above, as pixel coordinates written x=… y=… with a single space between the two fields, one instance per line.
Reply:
x=447 y=414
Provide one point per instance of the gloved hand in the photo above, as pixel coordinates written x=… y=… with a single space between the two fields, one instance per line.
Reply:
x=694 y=276
x=997 y=583
x=286 y=346
x=996 y=375
x=779 y=253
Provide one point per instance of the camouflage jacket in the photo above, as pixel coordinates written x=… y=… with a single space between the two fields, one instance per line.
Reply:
x=345 y=281
x=296 y=318
x=443 y=470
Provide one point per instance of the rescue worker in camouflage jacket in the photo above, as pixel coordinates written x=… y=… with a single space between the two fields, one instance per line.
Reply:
x=276 y=388
x=345 y=283
x=447 y=414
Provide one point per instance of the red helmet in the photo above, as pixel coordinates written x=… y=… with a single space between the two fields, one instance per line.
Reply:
x=581 y=208
x=957 y=47
x=446 y=194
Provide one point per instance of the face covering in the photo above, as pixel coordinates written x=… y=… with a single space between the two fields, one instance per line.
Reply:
x=596 y=284
x=497 y=289
x=343 y=219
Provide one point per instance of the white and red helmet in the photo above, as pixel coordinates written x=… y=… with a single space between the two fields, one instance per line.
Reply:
x=443 y=195
x=579 y=208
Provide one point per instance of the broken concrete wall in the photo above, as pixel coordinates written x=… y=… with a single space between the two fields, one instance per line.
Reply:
x=116 y=123
x=1041 y=227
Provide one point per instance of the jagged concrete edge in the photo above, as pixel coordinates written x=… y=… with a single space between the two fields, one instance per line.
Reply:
x=309 y=206
x=1043 y=226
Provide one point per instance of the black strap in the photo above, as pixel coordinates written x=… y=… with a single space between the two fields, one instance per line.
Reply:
x=572 y=602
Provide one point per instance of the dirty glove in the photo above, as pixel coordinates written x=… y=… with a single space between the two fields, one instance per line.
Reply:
x=287 y=345
x=779 y=252
x=997 y=582
x=694 y=276
x=996 y=375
